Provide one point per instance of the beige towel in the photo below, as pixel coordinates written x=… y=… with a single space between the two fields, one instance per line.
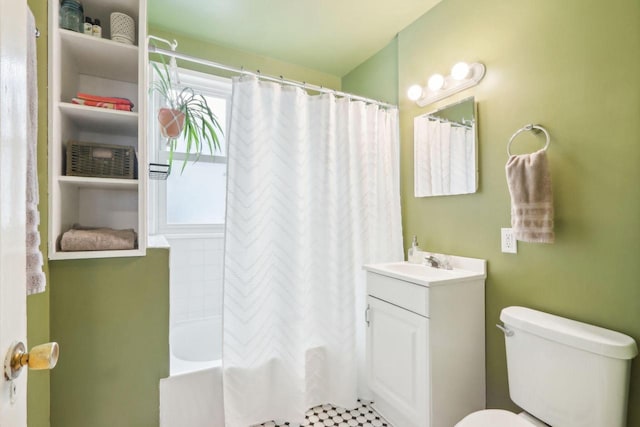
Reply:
x=529 y=182
x=36 y=281
x=97 y=239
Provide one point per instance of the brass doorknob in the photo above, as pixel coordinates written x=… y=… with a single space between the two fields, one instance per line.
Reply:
x=43 y=356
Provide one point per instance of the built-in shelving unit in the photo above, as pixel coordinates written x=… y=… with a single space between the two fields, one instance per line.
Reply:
x=99 y=66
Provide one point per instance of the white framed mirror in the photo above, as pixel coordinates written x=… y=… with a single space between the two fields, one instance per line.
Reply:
x=445 y=147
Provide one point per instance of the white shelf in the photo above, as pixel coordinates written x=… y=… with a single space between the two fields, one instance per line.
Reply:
x=101 y=57
x=59 y=255
x=101 y=183
x=101 y=120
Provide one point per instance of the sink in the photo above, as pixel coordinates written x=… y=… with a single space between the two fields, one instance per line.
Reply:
x=422 y=274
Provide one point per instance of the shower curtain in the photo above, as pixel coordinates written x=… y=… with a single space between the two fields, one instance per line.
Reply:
x=444 y=155
x=313 y=194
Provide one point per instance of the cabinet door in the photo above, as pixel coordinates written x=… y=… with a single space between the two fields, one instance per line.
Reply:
x=397 y=360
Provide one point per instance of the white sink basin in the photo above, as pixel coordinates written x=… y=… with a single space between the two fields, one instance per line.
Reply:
x=422 y=274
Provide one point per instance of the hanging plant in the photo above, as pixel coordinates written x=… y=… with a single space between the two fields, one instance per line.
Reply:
x=187 y=114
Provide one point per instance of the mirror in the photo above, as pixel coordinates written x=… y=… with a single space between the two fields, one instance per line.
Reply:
x=445 y=151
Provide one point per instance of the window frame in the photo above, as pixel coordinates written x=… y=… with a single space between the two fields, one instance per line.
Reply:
x=208 y=85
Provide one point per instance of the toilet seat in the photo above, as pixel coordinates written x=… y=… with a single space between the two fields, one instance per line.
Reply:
x=494 y=418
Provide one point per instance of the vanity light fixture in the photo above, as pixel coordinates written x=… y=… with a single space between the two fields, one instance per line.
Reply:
x=436 y=82
x=463 y=76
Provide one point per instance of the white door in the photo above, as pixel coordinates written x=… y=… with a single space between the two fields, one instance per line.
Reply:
x=13 y=114
x=398 y=362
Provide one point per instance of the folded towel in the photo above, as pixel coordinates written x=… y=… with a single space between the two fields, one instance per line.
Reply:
x=109 y=105
x=109 y=99
x=97 y=239
x=529 y=182
x=36 y=280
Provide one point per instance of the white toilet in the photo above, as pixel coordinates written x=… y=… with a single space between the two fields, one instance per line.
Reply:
x=562 y=373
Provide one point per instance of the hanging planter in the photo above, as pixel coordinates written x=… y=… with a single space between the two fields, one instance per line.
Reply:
x=171 y=122
x=187 y=115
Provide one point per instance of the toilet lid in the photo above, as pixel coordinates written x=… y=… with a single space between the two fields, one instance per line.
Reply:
x=493 y=418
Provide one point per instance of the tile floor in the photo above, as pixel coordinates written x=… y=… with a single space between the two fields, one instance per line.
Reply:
x=331 y=416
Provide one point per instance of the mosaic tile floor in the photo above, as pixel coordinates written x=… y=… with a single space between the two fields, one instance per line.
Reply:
x=332 y=416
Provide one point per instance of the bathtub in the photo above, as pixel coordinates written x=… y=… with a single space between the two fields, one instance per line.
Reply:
x=192 y=395
x=195 y=345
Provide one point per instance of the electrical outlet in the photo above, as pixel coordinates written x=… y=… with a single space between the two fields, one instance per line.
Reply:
x=509 y=243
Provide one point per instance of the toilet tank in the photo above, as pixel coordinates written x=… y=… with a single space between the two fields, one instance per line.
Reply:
x=567 y=373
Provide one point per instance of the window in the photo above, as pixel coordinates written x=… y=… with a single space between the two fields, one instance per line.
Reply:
x=193 y=200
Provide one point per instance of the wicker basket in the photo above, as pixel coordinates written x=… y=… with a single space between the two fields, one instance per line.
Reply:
x=123 y=28
x=100 y=160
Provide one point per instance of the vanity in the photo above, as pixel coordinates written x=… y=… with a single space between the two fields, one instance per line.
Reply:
x=425 y=341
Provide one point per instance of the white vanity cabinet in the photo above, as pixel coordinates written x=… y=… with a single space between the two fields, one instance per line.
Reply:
x=425 y=342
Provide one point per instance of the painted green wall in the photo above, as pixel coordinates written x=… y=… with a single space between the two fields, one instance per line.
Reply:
x=571 y=66
x=382 y=68
x=38 y=305
x=111 y=319
x=239 y=59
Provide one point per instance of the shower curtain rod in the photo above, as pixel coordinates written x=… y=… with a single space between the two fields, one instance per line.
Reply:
x=242 y=71
x=453 y=123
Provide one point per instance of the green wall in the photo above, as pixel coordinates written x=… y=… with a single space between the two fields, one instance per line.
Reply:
x=377 y=77
x=111 y=319
x=571 y=66
x=240 y=59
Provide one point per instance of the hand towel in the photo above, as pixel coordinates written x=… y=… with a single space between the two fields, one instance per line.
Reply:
x=529 y=182
x=36 y=281
x=109 y=105
x=108 y=99
x=97 y=239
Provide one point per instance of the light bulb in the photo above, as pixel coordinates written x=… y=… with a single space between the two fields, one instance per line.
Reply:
x=436 y=82
x=415 y=92
x=460 y=71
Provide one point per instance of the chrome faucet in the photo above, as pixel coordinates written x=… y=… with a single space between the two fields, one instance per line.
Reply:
x=432 y=261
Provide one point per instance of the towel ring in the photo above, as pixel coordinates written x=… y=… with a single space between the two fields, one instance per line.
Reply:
x=530 y=127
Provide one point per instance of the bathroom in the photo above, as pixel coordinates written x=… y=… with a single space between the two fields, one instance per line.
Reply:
x=568 y=66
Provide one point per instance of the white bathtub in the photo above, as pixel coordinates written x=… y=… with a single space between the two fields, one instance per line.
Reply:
x=195 y=345
x=192 y=395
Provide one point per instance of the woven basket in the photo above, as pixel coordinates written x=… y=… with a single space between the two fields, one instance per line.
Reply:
x=123 y=28
x=100 y=160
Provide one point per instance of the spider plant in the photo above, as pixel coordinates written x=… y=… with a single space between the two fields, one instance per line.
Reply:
x=190 y=116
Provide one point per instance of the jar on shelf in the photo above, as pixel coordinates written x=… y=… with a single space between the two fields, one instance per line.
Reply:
x=72 y=15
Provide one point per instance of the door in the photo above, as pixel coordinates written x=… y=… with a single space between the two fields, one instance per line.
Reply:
x=13 y=118
x=397 y=362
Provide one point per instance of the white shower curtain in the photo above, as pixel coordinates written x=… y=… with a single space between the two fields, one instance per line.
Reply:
x=444 y=158
x=313 y=194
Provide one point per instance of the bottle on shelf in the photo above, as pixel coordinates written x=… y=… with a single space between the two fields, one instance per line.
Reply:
x=97 y=29
x=88 y=26
x=72 y=16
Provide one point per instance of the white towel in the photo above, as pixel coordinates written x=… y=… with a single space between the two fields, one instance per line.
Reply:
x=36 y=281
x=529 y=182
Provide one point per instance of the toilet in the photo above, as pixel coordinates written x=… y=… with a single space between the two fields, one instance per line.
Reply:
x=561 y=373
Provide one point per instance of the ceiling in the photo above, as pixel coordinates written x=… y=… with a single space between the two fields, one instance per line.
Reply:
x=333 y=36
